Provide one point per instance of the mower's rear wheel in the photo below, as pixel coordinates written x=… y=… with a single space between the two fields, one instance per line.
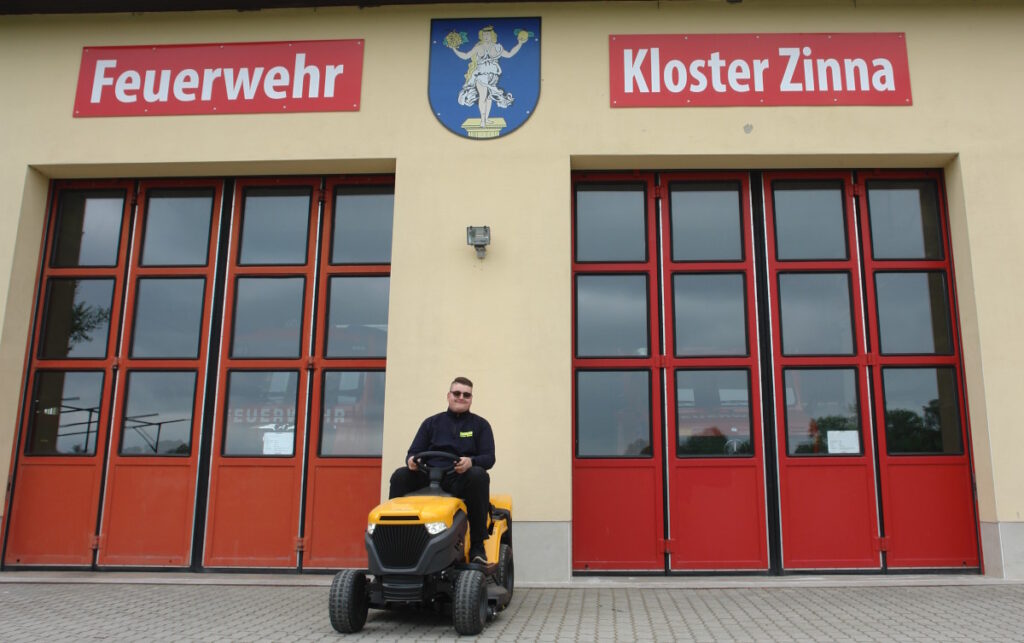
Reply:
x=469 y=608
x=348 y=602
x=506 y=573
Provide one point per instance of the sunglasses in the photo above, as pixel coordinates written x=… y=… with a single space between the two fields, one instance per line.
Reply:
x=463 y=394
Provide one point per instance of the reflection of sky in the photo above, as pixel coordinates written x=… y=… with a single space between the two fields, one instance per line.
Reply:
x=613 y=411
x=274 y=228
x=815 y=314
x=268 y=317
x=159 y=404
x=610 y=225
x=177 y=231
x=912 y=389
x=101 y=229
x=809 y=224
x=905 y=312
x=169 y=314
x=706 y=225
x=709 y=314
x=359 y=301
x=897 y=231
x=612 y=315
x=362 y=228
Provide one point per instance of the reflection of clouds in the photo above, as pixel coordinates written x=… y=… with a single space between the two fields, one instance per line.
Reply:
x=710 y=316
x=896 y=223
x=177 y=230
x=613 y=411
x=274 y=226
x=268 y=316
x=169 y=314
x=809 y=223
x=101 y=231
x=706 y=225
x=612 y=315
x=815 y=314
x=158 y=412
x=610 y=225
x=359 y=300
x=362 y=228
x=905 y=304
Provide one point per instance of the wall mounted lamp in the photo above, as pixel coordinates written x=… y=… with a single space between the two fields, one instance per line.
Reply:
x=478 y=236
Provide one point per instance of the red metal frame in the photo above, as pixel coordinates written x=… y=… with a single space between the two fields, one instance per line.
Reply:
x=149 y=501
x=818 y=530
x=63 y=489
x=617 y=507
x=717 y=508
x=341 y=491
x=253 y=513
x=928 y=503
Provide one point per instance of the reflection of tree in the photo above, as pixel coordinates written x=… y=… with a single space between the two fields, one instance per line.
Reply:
x=85 y=319
x=818 y=432
x=908 y=431
x=714 y=445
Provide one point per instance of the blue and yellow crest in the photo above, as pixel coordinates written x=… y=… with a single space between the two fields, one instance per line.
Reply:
x=484 y=74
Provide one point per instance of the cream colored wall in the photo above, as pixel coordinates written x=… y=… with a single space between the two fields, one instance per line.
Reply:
x=505 y=321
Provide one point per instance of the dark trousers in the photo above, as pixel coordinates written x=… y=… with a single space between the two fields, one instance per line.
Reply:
x=473 y=486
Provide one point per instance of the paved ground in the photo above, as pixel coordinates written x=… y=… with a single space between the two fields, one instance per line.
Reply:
x=41 y=607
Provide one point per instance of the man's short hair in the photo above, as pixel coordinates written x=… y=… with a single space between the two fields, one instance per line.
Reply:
x=461 y=380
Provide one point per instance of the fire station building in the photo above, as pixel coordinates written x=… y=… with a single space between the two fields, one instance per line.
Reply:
x=735 y=281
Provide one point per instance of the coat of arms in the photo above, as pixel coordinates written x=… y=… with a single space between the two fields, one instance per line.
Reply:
x=484 y=74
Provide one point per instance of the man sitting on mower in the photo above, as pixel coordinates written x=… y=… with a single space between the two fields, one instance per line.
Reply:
x=469 y=436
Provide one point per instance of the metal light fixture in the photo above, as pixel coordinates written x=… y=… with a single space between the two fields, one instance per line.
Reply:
x=478 y=236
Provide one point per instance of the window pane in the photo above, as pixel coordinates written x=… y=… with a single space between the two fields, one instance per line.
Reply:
x=353 y=413
x=815 y=314
x=77 y=321
x=274 y=226
x=822 y=412
x=158 y=413
x=268 y=317
x=921 y=412
x=260 y=417
x=710 y=314
x=362 y=225
x=706 y=221
x=913 y=312
x=713 y=413
x=65 y=413
x=613 y=414
x=611 y=223
x=611 y=316
x=904 y=219
x=809 y=221
x=177 y=228
x=168 y=318
x=357 y=322
x=88 y=228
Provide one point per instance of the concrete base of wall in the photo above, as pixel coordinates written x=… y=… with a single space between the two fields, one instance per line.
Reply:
x=1002 y=545
x=542 y=551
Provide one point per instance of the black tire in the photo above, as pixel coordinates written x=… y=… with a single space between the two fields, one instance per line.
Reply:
x=348 y=602
x=506 y=572
x=469 y=606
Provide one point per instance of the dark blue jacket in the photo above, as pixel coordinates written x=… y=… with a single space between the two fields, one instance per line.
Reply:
x=464 y=434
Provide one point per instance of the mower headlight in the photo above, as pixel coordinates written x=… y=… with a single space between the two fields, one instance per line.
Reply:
x=434 y=528
x=370 y=527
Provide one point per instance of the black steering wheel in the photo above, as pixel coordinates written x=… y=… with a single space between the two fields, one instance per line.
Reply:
x=435 y=472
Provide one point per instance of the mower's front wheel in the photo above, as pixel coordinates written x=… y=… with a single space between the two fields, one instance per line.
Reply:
x=348 y=602
x=469 y=606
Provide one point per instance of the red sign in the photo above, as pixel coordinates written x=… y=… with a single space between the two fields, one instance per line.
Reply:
x=759 y=69
x=238 y=78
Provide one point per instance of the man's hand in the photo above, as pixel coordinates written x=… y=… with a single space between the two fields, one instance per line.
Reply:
x=463 y=465
x=412 y=463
